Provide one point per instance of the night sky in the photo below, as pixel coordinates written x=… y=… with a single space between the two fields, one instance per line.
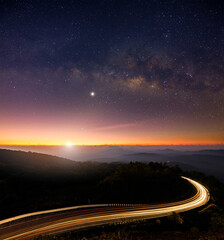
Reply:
x=111 y=72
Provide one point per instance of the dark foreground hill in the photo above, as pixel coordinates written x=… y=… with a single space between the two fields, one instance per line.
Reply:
x=31 y=182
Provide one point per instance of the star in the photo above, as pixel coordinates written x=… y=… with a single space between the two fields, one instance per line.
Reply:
x=92 y=94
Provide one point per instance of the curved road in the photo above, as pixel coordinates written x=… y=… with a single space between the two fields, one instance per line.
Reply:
x=55 y=221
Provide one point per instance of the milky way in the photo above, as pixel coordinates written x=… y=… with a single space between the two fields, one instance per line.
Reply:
x=111 y=72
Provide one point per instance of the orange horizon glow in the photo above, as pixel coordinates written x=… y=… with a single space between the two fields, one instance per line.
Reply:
x=51 y=130
x=115 y=139
x=118 y=144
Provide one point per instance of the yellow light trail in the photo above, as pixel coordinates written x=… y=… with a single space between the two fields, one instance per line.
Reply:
x=121 y=213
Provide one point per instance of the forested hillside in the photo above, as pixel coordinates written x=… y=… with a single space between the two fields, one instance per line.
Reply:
x=31 y=182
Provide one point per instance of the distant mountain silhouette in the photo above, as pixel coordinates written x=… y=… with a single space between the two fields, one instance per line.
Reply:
x=207 y=161
x=210 y=162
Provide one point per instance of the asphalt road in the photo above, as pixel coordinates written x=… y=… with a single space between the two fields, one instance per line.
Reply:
x=31 y=225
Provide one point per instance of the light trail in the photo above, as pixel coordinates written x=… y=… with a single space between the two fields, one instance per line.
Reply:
x=103 y=215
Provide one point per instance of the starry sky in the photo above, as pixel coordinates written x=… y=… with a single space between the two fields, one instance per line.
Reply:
x=111 y=72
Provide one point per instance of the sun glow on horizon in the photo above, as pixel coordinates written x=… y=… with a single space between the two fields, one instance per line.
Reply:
x=68 y=144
